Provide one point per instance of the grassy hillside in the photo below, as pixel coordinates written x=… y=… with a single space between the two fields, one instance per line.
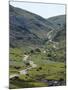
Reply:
x=58 y=21
x=26 y=27
x=37 y=46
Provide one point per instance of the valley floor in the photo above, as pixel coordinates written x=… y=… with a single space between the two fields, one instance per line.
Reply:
x=36 y=70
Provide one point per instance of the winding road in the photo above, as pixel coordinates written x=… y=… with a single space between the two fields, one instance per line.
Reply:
x=25 y=71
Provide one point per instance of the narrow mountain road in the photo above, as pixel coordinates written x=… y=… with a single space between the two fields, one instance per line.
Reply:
x=31 y=63
x=25 y=71
x=13 y=75
x=49 y=35
x=25 y=57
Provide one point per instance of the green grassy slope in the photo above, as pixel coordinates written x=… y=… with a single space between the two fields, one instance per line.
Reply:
x=28 y=36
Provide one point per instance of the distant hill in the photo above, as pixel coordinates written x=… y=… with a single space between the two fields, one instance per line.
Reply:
x=27 y=28
x=58 y=21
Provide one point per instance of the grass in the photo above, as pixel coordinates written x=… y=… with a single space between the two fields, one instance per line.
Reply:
x=51 y=63
x=50 y=71
x=25 y=84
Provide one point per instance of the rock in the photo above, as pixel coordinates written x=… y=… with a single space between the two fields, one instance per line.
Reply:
x=23 y=71
x=32 y=64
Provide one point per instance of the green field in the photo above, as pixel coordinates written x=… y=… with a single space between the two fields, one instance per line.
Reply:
x=50 y=66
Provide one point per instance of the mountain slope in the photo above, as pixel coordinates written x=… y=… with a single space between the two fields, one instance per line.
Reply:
x=26 y=27
x=37 y=55
x=58 y=21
